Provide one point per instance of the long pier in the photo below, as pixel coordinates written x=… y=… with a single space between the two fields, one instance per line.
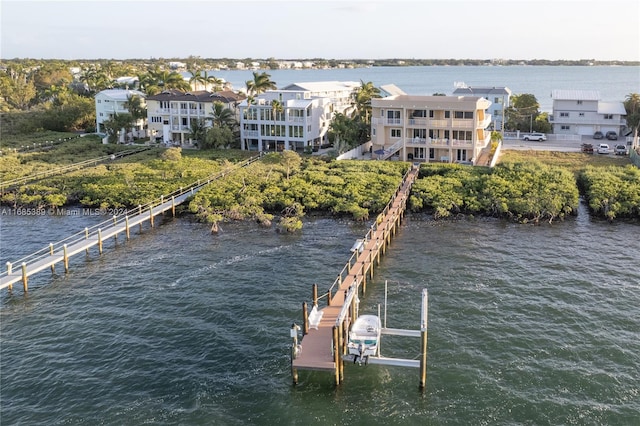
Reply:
x=61 y=251
x=325 y=330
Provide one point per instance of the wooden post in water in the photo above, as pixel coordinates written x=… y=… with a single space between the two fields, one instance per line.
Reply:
x=139 y=213
x=151 y=215
x=126 y=226
x=423 y=340
x=9 y=268
x=340 y=352
x=53 y=268
x=65 y=257
x=99 y=240
x=314 y=294
x=115 y=221
x=25 y=278
x=305 y=319
x=173 y=205
x=336 y=355
x=86 y=237
x=294 y=352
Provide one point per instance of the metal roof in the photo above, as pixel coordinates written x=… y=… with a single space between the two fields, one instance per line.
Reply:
x=611 y=108
x=575 y=95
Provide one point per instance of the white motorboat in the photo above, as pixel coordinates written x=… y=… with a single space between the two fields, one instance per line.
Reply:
x=364 y=338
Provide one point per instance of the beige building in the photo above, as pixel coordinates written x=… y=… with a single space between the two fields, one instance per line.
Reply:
x=450 y=129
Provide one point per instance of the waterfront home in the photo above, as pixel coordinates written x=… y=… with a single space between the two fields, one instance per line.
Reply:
x=500 y=97
x=430 y=128
x=114 y=101
x=171 y=113
x=285 y=119
x=296 y=117
x=581 y=112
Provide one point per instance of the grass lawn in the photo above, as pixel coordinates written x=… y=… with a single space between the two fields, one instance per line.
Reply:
x=574 y=161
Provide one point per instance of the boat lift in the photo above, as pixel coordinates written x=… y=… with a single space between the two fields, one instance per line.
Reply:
x=351 y=303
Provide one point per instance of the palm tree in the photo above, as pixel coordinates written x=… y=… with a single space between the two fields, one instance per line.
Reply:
x=217 y=83
x=276 y=109
x=197 y=78
x=222 y=117
x=135 y=107
x=632 y=106
x=261 y=83
x=362 y=99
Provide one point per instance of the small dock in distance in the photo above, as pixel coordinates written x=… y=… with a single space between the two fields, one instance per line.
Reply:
x=325 y=331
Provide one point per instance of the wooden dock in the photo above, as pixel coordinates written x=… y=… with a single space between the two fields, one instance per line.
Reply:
x=322 y=345
x=61 y=251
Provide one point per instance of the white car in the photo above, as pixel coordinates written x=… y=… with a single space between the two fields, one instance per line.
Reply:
x=603 y=148
x=535 y=137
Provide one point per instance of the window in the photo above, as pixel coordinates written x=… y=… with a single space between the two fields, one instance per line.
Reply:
x=565 y=127
x=579 y=102
x=373 y=131
x=99 y=100
x=608 y=116
x=419 y=113
x=432 y=153
x=431 y=113
x=447 y=114
x=465 y=115
x=156 y=119
x=564 y=114
x=396 y=133
x=581 y=114
x=393 y=117
x=418 y=152
x=184 y=121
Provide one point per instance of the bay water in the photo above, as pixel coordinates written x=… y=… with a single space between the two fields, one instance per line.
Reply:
x=527 y=324
x=613 y=83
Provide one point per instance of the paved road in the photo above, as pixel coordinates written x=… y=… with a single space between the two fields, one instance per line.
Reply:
x=556 y=145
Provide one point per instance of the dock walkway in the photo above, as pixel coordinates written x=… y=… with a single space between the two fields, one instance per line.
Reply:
x=317 y=348
x=61 y=251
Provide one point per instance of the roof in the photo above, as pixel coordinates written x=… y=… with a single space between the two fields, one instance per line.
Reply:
x=226 y=96
x=392 y=89
x=479 y=90
x=575 y=95
x=323 y=86
x=611 y=108
x=119 y=94
x=438 y=102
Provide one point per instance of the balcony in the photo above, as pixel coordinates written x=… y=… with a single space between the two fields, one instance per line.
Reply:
x=586 y=121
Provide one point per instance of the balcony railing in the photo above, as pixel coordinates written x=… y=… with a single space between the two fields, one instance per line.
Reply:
x=587 y=121
x=447 y=123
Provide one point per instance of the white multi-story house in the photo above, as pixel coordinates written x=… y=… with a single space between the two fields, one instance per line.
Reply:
x=171 y=113
x=303 y=122
x=114 y=101
x=581 y=112
x=500 y=97
x=430 y=128
x=339 y=92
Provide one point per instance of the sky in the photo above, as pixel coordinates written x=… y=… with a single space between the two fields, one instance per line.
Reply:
x=305 y=29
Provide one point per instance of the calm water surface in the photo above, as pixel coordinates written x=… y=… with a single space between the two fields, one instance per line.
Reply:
x=527 y=325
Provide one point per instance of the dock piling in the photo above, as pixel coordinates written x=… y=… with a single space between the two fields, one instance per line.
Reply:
x=65 y=257
x=99 y=240
x=53 y=266
x=25 y=277
x=305 y=319
x=86 y=237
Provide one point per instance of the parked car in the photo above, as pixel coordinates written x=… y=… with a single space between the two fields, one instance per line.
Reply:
x=603 y=148
x=535 y=137
x=598 y=135
x=620 y=150
x=587 y=148
x=612 y=136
